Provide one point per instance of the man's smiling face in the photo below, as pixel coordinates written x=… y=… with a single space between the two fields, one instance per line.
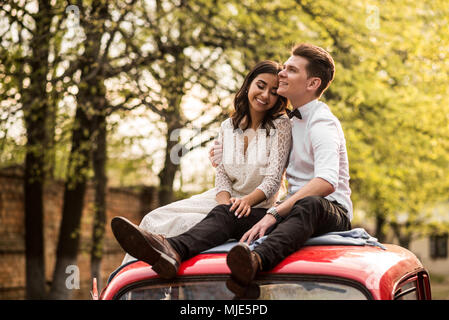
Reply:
x=293 y=79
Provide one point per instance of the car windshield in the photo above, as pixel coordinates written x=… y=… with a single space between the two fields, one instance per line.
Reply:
x=269 y=290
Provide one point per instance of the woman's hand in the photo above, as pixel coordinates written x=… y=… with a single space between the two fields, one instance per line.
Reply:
x=259 y=229
x=241 y=206
x=216 y=153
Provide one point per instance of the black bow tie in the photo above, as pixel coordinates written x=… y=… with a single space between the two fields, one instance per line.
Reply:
x=294 y=113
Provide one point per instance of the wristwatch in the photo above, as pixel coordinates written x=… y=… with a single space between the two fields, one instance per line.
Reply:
x=273 y=211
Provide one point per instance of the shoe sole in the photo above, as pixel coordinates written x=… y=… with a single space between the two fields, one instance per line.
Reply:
x=251 y=291
x=133 y=242
x=239 y=262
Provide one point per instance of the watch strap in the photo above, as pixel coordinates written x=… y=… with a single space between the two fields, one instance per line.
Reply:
x=272 y=211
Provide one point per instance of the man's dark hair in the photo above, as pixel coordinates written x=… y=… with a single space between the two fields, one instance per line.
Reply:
x=321 y=64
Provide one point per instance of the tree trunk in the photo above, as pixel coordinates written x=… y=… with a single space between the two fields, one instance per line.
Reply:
x=35 y=106
x=380 y=223
x=34 y=221
x=404 y=241
x=74 y=191
x=50 y=159
x=404 y=238
x=99 y=157
x=167 y=174
x=90 y=99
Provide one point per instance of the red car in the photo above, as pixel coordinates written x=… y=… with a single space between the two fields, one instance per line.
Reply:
x=331 y=272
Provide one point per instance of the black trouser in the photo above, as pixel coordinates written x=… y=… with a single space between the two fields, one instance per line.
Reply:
x=310 y=216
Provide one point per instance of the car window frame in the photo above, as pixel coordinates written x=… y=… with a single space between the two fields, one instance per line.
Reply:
x=262 y=277
x=422 y=286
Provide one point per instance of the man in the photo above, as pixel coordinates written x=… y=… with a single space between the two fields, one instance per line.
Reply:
x=318 y=189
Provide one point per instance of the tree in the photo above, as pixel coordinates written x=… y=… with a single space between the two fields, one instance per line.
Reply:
x=397 y=149
x=25 y=65
x=201 y=48
x=389 y=93
x=89 y=133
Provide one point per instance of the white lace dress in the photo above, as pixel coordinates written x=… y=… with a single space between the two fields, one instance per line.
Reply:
x=240 y=173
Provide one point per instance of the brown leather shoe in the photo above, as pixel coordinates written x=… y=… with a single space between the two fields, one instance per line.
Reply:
x=251 y=291
x=244 y=265
x=150 y=248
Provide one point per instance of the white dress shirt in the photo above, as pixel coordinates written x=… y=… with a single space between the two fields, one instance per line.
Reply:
x=319 y=151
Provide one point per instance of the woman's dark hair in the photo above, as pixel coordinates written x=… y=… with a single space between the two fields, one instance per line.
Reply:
x=241 y=115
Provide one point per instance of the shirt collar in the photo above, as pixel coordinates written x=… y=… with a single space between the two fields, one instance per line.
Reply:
x=306 y=108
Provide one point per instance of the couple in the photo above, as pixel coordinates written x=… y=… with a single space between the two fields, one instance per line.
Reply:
x=243 y=203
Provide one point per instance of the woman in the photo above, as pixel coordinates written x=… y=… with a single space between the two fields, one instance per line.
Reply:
x=256 y=142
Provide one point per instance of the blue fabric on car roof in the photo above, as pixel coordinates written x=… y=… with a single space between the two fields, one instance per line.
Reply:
x=354 y=237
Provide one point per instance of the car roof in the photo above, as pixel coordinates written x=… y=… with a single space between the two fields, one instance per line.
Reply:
x=376 y=269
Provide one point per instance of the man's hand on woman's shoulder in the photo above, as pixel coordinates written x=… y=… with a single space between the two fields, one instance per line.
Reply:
x=216 y=153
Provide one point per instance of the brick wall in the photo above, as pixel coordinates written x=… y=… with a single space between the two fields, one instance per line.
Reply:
x=132 y=203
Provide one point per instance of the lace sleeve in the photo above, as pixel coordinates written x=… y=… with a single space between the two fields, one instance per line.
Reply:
x=279 y=152
x=222 y=181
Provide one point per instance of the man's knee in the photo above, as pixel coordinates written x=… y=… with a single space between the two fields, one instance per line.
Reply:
x=308 y=202
x=223 y=209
